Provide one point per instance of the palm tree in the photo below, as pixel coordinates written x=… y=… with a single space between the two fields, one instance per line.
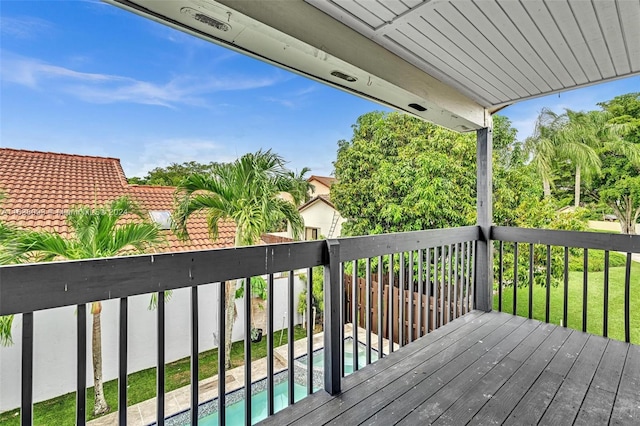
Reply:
x=542 y=146
x=94 y=233
x=584 y=135
x=245 y=192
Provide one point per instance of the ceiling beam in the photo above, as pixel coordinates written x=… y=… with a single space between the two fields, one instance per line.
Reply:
x=307 y=24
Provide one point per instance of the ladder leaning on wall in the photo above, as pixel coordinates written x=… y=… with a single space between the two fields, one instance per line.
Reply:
x=334 y=223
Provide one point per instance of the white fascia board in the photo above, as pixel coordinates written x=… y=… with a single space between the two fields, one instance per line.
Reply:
x=296 y=36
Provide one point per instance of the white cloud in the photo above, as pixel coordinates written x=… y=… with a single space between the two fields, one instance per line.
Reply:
x=178 y=150
x=23 y=27
x=295 y=99
x=108 y=88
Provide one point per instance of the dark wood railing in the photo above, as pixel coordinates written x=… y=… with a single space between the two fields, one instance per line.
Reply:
x=410 y=282
x=417 y=257
x=549 y=253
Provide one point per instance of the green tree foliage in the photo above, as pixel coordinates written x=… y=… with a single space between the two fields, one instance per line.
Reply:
x=399 y=173
x=618 y=184
x=246 y=192
x=173 y=174
x=95 y=232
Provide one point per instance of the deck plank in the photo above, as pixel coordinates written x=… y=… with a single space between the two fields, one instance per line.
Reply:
x=368 y=397
x=626 y=409
x=424 y=382
x=487 y=368
x=499 y=407
x=598 y=404
x=439 y=339
x=433 y=407
x=566 y=403
x=534 y=403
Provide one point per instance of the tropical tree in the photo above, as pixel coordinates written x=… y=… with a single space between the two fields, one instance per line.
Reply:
x=587 y=134
x=247 y=193
x=94 y=233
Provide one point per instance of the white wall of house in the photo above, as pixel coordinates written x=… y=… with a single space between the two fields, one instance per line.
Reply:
x=320 y=215
x=55 y=339
x=319 y=188
x=614 y=226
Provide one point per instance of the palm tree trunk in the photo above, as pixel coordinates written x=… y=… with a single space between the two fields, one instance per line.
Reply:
x=100 y=405
x=577 y=190
x=230 y=318
x=546 y=186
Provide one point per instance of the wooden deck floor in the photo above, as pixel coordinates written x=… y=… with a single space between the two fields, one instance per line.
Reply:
x=487 y=368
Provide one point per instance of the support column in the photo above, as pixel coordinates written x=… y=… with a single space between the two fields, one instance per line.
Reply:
x=484 y=256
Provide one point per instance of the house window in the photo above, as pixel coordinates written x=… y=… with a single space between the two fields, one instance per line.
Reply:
x=162 y=218
x=311 y=233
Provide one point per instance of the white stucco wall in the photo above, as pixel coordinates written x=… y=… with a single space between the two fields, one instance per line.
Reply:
x=320 y=215
x=319 y=188
x=55 y=339
x=608 y=226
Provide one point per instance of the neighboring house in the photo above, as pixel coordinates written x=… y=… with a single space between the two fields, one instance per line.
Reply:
x=321 y=219
x=321 y=184
x=41 y=187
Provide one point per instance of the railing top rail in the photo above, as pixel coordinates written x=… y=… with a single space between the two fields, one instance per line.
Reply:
x=375 y=245
x=580 y=239
x=32 y=287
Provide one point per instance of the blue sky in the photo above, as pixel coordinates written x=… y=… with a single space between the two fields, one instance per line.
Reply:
x=84 y=77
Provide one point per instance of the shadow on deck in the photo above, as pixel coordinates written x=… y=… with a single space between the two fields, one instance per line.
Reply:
x=487 y=368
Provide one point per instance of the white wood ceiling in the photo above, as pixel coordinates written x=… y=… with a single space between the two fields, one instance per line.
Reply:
x=501 y=51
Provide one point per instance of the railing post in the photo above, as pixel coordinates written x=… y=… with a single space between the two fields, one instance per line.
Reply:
x=332 y=318
x=484 y=256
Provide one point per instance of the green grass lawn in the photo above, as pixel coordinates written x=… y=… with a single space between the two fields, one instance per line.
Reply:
x=141 y=385
x=595 y=302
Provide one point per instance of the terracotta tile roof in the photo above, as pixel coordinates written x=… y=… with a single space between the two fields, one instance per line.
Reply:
x=40 y=187
x=325 y=180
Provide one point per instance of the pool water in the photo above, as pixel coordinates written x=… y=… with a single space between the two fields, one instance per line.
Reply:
x=318 y=357
x=235 y=412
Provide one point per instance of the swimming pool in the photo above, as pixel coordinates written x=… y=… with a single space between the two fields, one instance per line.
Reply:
x=208 y=411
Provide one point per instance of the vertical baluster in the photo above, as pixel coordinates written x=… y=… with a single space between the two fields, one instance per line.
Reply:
x=443 y=289
x=333 y=323
x=455 y=282
x=390 y=302
x=247 y=348
x=368 y=312
x=122 y=374
x=343 y=317
x=548 y=283
x=627 y=294
x=585 y=283
x=420 y=291
x=605 y=308
x=427 y=313
x=436 y=286
x=380 y=310
x=160 y=381
x=270 y=334
x=26 y=407
x=81 y=370
x=449 y=282
x=290 y=339
x=471 y=273
x=221 y=351
x=401 y=301
x=515 y=278
x=463 y=278
x=194 y=355
x=410 y=290
x=530 y=280
x=500 y=275
x=310 y=327
x=565 y=301
x=354 y=313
